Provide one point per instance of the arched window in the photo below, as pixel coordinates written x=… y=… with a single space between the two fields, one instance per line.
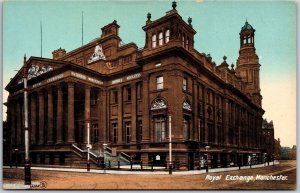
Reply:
x=154 y=41
x=167 y=36
x=160 y=39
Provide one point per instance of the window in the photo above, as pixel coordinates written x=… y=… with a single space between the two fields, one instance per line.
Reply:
x=128 y=131
x=128 y=93
x=140 y=90
x=160 y=39
x=187 y=42
x=183 y=40
x=184 y=84
x=159 y=82
x=94 y=97
x=115 y=132
x=208 y=98
x=167 y=36
x=154 y=41
x=115 y=96
x=185 y=128
x=95 y=133
x=160 y=129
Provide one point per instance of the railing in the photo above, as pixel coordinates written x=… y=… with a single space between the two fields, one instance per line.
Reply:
x=125 y=157
x=83 y=153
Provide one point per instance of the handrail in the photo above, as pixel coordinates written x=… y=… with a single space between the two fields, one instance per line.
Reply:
x=126 y=156
x=94 y=154
x=78 y=148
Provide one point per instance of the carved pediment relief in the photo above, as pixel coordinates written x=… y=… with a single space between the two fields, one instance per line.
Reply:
x=97 y=55
x=37 y=68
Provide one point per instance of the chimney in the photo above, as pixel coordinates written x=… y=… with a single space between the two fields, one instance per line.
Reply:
x=58 y=53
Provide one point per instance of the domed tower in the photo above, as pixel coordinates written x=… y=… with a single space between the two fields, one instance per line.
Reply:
x=248 y=63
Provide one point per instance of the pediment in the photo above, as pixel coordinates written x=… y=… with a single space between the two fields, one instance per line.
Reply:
x=37 y=67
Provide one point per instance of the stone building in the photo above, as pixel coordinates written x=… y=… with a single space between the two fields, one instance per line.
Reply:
x=129 y=94
x=268 y=144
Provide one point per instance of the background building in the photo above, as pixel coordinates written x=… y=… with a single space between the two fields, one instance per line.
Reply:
x=127 y=95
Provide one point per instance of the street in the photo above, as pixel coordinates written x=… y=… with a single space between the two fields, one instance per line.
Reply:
x=278 y=177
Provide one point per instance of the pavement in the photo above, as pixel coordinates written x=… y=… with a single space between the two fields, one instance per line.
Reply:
x=190 y=172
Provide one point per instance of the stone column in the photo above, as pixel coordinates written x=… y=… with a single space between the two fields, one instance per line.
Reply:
x=33 y=120
x=71 y=133
x=12 y=122
x=19 y=124
x=102 y=118
x=133 y=113
x=215 y=107
x=120 y=115
x=87 y=111
x=59 y=120
x=205 y=115
x=225 y=121
x=50 y=116
x=41 y=117
x=195 y=132
x=145 y=109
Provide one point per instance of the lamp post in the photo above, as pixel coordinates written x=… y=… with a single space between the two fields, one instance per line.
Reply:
x=27 y=159
x=88 y=144
x=170 y=146
x=104 y=147
x=206 y=148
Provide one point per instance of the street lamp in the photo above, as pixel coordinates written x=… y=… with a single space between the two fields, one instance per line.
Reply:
x=170 y=146
x=206 y=148
x=104 y=147
x=27 y=159
x=89 y=146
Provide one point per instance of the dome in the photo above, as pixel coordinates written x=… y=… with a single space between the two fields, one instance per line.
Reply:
x=247 y=26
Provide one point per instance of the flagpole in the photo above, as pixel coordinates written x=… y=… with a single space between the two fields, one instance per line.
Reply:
x=41 y=38
x=82 y=28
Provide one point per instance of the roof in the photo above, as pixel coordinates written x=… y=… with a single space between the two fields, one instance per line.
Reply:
x=247 y=26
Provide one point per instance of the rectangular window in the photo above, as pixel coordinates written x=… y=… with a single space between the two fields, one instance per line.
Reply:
x=160 y=129
x=94 y=97
x=208 y=98
x=154 y=41
x=95 y=133
x=167 y=36
x=159 y=82
x=186 y=127
x=184 y=84
x=187 y=43
x=115 y=96
x=128 y=93
x=128 y=131
x=160 y=39
x=115 y=132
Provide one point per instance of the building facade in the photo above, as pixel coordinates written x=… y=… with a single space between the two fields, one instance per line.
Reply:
x=128 y=96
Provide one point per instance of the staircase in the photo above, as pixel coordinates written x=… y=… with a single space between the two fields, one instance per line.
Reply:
x=96 y=157
x=81 y=157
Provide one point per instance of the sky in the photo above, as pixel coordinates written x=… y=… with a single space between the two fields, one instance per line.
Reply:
x=217 y=23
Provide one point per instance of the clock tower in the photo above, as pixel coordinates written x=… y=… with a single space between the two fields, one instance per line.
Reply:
x=248 y=64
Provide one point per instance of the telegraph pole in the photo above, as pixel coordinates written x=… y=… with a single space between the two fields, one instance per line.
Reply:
x=27 y=159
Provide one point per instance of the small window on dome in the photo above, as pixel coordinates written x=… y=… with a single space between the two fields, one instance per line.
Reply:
x=167 y=36
x=154 y=41
x=160 y=39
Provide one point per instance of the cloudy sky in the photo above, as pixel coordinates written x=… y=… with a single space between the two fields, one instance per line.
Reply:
x=217 y=24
